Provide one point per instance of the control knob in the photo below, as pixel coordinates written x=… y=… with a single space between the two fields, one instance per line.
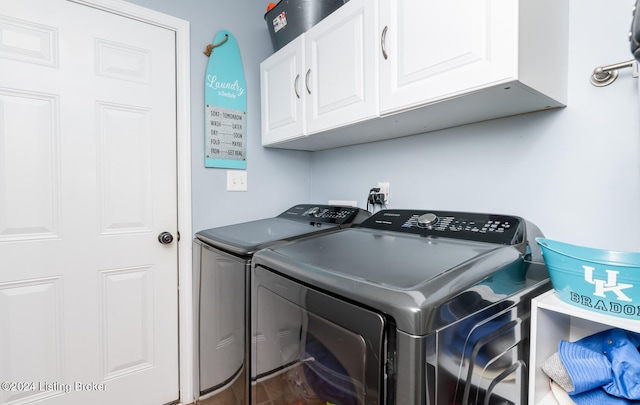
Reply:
x=316 y=212
x=428 y=219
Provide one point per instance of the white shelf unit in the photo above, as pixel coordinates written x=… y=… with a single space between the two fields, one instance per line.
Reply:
x=553 y=320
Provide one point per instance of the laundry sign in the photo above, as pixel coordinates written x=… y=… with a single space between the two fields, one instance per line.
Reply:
x=226 y=134
x=225 y=106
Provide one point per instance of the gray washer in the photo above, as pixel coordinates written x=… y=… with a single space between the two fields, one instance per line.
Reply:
x=451 y=293
x=222 y=259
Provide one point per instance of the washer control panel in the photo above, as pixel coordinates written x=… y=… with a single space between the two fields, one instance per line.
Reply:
x=326 y=214
x=492 y=228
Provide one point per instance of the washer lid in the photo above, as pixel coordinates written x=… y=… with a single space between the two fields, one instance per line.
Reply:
x=388 y=261
x=298 y=221
x=247 y=237
x=409 y=277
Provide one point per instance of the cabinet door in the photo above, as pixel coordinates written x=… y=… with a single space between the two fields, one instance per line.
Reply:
x=281 y=91
x=433 y=49
x=340 y=80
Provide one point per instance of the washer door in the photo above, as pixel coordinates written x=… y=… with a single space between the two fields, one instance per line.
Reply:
x=310 y=347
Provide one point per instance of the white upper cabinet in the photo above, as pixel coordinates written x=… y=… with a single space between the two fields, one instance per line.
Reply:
x=438 y=49
x=281 y=91
x=324 y=79
x=381 y=69
x=341 y=68
x=434 y=50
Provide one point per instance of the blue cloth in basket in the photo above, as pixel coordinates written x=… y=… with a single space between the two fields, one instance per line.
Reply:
x=604 y=367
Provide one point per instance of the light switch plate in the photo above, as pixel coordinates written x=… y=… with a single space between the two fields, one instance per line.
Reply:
x=236 y=180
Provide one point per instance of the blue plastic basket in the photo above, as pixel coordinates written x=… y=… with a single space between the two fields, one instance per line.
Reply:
x=603 y=281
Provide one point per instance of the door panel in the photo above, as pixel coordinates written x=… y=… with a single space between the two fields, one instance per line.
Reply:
x=123 y=168
x=127 y=305
x=340 y=67
x=34 y=348
x=282 y=93
x=87 y=182
x=436 y=50
x=29 y=144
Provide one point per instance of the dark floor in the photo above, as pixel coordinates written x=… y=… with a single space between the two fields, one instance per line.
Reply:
x=286 y=388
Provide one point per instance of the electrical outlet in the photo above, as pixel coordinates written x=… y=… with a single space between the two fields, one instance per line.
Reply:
x=347 y=203
x=236 y=180
x=384 y=189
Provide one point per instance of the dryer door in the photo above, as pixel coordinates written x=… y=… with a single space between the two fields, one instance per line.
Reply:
x=310 y=347
x=219 y=311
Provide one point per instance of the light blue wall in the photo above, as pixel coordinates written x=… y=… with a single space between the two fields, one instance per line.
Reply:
x=277 y=179
x=575 y=172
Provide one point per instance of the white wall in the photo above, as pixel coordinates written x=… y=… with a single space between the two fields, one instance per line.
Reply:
x=574 y=172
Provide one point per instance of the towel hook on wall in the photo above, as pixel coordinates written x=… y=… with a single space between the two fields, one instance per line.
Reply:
x=605 y=75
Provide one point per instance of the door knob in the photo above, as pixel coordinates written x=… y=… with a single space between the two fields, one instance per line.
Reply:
x=165 y=238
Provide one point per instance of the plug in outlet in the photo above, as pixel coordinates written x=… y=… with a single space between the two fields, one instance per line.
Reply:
x=236 y=180
x=384 y=189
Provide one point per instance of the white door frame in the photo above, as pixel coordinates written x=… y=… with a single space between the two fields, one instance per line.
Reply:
x=183 y=128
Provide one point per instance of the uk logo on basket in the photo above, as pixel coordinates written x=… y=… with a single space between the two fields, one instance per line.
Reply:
x=607 y=289
x=608 y=285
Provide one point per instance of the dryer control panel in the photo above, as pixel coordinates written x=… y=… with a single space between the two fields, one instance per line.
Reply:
x=326 y=214
x=491 y=228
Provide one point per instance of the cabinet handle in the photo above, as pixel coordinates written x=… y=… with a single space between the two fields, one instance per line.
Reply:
x=306 y=81
x=295 y=85
x=383 y=40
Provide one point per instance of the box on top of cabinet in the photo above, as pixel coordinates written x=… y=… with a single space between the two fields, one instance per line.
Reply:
x=290 y=18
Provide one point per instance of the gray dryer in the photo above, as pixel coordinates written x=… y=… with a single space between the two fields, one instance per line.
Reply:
x=222 y=258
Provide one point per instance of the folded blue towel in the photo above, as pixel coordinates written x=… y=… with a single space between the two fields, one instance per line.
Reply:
x=604 y=367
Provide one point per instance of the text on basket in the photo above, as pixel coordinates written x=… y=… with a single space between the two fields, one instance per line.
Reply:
x=610 y=284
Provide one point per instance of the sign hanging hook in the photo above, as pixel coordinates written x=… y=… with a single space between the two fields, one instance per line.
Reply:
x=210 y=47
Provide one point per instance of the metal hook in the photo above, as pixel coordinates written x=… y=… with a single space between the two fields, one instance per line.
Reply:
x=210 y=47
x=605 y=75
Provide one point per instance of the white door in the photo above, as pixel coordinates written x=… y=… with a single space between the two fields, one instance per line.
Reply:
x=440 y=49
x=282 y=92
x=88 y=295
x=340 y=63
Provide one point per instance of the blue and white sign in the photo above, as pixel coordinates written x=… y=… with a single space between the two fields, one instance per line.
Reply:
x=225 y=106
